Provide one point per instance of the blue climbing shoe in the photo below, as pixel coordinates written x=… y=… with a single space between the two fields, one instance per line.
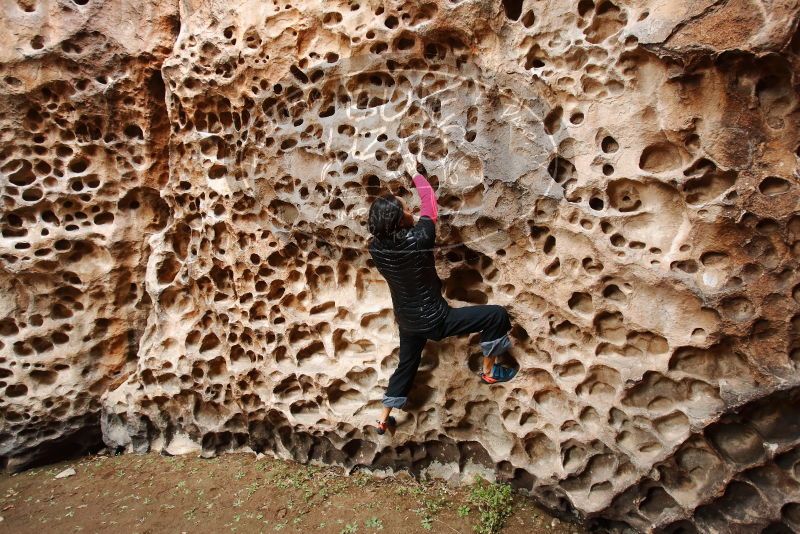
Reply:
x=500 y=373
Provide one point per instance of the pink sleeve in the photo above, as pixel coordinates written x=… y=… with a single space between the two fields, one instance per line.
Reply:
x=427 y=197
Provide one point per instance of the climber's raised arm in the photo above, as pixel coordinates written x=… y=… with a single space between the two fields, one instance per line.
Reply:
x=427 y=197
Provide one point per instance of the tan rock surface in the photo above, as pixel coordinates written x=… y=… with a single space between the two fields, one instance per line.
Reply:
x=621 y=176
x=83 y=138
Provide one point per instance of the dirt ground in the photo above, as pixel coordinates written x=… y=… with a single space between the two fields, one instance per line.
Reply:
x=238 y=493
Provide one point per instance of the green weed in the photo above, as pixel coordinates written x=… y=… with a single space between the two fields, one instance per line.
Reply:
x=374 y=522
x=431 y=505
x=494 y=503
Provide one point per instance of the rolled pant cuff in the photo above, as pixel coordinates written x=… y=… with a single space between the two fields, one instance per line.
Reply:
x=495 y=347
x=394 y=402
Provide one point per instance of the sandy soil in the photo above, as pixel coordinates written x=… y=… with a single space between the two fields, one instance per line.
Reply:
x=238 y=493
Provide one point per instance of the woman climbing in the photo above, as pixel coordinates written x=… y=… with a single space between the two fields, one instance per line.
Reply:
x=403 y=254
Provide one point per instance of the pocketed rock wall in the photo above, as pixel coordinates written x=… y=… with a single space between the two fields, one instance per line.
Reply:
x=83 y=139
x=621 y=176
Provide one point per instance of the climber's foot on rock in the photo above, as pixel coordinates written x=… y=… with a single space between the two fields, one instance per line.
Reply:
x=383 y=426
x=500 y=373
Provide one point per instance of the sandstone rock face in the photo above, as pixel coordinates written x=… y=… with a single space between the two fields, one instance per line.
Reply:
x=83 y=138
x=621 y=176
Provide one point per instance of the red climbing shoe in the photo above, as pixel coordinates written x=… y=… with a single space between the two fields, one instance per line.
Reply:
x=383 y=426
x=500 y=373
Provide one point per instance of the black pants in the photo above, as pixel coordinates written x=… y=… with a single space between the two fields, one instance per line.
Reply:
x=490 y=320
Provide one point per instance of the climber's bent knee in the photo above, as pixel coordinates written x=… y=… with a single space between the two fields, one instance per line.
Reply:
x=494 y=337
x=503 y=320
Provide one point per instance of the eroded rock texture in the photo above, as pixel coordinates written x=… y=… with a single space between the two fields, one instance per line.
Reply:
x=621 y=175
x=83 y=138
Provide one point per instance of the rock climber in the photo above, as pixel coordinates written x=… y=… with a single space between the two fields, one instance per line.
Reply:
x=403 y=254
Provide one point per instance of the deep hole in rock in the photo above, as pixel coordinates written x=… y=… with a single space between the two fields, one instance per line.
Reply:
x=513 y=8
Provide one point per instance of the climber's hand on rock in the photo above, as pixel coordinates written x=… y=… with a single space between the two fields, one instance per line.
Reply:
x=410 y=164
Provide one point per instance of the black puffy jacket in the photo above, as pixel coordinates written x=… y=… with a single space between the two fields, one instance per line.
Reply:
x=407 y=264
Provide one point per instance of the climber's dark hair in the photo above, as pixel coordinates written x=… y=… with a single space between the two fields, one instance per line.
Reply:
x=385 y=215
